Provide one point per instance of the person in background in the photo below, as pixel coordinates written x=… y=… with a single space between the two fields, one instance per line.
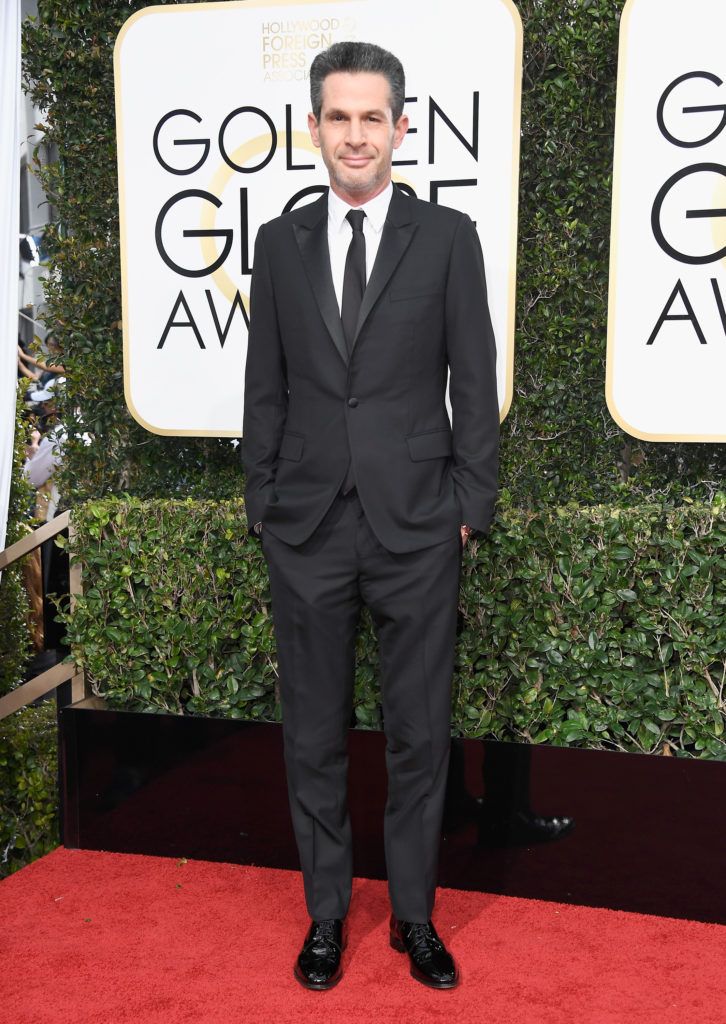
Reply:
x=43 y=455
x=42 y=370
x=26 y=366
x=45 y=450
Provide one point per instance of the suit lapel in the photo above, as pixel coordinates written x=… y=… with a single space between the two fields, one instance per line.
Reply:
x=398 y=231
x=311 y=234
x=312 y=239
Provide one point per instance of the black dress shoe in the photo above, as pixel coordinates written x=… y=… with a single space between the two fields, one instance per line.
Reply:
x=431 y=963
x=523 y=828
x=318 y=966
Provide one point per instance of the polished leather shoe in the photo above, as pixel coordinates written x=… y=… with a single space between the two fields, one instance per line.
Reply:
x=431 y=963
x=319 y=964
x=522 y=828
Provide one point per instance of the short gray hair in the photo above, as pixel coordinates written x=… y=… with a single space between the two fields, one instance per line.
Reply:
x=354 y=57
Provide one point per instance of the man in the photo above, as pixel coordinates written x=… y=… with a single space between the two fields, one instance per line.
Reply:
x=361 y=491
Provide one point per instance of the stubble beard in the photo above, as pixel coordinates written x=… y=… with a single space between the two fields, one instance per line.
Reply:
x=358 y=186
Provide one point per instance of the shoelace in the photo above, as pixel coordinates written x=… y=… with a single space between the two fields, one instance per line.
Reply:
x=324 y=933
x=423 y=941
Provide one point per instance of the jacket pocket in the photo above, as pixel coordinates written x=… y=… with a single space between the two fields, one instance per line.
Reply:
x=432 y=444
x=291 y=447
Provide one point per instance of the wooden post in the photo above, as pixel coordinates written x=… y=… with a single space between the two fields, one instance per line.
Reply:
x=79 y=686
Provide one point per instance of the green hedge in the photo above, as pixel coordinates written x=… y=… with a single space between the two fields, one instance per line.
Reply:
x=591 y=627
x=28 y=786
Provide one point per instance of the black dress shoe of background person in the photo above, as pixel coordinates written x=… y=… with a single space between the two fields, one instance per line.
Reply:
x=522 y=828
x=431 y=963
x=319 y=964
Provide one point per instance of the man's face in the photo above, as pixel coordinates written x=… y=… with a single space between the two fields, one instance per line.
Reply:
x=356 y=134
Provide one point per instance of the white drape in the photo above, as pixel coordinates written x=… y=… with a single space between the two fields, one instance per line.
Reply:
x=9 y=229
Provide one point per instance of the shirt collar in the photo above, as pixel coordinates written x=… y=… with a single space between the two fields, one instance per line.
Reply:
x=376 y=209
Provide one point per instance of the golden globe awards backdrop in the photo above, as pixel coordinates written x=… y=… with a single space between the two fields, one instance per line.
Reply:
x=211 y=106
x=666 y=366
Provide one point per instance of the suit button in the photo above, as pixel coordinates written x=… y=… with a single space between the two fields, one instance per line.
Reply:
x=352 y=402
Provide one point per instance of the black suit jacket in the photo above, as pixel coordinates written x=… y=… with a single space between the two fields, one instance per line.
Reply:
x=308 y=407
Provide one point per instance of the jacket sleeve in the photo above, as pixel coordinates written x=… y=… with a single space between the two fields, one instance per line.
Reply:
x=265 y=391
x=471 y=352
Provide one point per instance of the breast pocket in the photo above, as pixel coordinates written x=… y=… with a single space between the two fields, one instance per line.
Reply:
x=418 y=293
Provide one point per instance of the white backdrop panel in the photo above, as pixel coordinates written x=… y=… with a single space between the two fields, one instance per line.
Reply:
x=463 y=69
x=667 y=319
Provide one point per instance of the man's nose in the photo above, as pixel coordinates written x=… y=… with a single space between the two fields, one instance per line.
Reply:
x=356 y=132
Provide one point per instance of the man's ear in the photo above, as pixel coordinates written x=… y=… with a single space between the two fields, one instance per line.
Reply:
x=399 y=132
x=313 y=128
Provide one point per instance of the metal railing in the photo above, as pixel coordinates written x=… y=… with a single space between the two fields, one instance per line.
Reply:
x=49 y=680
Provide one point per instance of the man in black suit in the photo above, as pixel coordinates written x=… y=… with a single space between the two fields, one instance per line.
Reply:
x=361 y=490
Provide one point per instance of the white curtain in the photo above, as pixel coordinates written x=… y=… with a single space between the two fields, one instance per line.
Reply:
x=9 y=229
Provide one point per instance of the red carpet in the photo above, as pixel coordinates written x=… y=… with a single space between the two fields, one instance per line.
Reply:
x=111 y=938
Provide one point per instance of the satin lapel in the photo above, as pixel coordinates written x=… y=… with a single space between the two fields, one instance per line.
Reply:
x=398 y=231
x=313 y=244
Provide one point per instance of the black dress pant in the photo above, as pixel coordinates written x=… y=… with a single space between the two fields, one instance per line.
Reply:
x=317 y=589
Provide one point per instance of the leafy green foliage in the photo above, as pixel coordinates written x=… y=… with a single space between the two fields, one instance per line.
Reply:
x=601 y=627
x=597 y=627
x=175 y=612
x=28 y=774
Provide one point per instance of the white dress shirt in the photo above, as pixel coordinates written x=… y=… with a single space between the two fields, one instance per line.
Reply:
x=340 y=233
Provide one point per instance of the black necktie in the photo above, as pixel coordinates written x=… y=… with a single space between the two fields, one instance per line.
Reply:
x=354 y=278
x=354 y=284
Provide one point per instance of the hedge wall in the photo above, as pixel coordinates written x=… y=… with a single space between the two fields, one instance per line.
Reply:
x=28 y=786
x=598 y=627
